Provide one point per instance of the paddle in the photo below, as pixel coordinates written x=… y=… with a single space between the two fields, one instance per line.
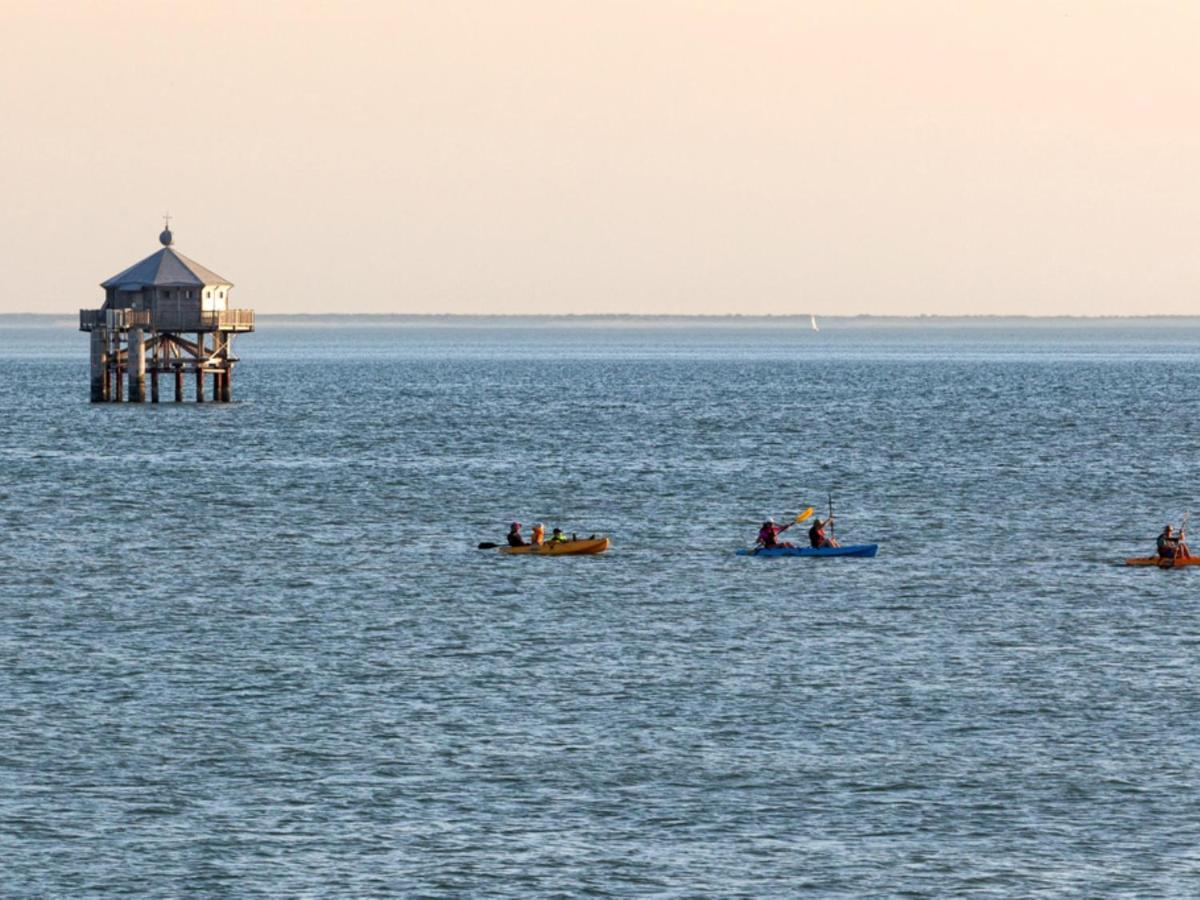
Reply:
x=488 y=545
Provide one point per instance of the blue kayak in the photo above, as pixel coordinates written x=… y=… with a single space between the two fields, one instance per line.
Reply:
x=848 y=550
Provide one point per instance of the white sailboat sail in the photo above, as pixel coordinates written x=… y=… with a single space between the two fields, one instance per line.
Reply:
x=813 y=319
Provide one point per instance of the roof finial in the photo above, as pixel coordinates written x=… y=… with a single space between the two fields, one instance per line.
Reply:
x=166 y=237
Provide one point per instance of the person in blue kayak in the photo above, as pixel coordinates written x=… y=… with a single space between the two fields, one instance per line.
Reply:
x=817 y=536
x=768 y=535
x=514 y=535
x=1170 y=544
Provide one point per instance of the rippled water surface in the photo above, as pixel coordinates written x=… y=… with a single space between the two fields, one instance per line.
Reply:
x=251 y=649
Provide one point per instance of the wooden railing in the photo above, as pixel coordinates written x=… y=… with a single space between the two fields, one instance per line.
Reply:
x=168 y=318
x=237 y=318
x=120 y=319
x=207 y=320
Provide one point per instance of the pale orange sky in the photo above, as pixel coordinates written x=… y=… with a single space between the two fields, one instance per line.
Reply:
x=901 y=157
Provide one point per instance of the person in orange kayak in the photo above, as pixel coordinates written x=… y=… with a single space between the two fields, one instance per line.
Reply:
x=1170 y=544
x=514 y=535
x=768 y=535
x=817 y=536
x=557 y=536
x=539 y=534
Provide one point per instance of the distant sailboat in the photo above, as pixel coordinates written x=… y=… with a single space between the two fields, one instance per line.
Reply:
x=813 y=319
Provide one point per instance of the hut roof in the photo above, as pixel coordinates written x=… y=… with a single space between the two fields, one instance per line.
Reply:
x=166 y=267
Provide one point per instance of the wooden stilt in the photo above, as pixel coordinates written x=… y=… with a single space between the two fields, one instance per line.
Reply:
x=137 y=366
x=97 y=370
x=178 y=382
x=199 y=370
x=118 y=369
x=112 y=374
x=104 y=364
x=154 y=369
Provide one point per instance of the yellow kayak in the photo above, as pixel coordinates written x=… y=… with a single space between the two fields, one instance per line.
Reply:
x=588 y=546
x=1164 y=562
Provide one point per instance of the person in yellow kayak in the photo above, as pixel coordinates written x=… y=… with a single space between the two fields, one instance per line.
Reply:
x=514 y=535
x=1170 y=544
x=768 y=535
x=817 y=536
x=557 y=537
x=539 y=535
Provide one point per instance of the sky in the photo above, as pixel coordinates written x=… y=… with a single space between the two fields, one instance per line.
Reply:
x=881 y=157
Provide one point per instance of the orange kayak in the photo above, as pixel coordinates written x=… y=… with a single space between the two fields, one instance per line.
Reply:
x=1163 y=562
x=587 y=547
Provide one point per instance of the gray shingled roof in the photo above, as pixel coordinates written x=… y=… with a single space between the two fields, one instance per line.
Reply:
x=167 y=267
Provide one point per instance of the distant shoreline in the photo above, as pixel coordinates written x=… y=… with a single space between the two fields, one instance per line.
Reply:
x=799 y=320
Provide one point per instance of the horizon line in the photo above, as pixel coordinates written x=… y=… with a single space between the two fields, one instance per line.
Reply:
x=683 y=316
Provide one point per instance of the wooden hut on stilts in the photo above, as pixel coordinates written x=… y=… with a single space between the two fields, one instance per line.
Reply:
x=172 y=313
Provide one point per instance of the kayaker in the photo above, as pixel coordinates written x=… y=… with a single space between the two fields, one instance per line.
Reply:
x=817 y=536
x=557 y=536
x=539 y=533
x=1170 y=544
x=768 y=535
x=514 y=535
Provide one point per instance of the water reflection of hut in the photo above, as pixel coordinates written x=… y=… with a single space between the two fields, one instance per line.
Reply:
x=148 y=309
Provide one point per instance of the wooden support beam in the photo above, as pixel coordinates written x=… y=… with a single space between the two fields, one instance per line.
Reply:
x=182 y=343
x=199 y=373
x=104 y=365
x=153 y=370
x=97 y=370
x=111 y=377
x=137 y=367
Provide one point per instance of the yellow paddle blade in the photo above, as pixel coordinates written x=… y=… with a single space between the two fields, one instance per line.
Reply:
x=800 y=517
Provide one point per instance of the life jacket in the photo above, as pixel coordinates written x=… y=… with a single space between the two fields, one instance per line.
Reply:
x=559 y=538
x=538 y=534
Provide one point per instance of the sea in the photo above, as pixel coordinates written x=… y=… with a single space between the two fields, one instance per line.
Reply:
x=252 y=649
